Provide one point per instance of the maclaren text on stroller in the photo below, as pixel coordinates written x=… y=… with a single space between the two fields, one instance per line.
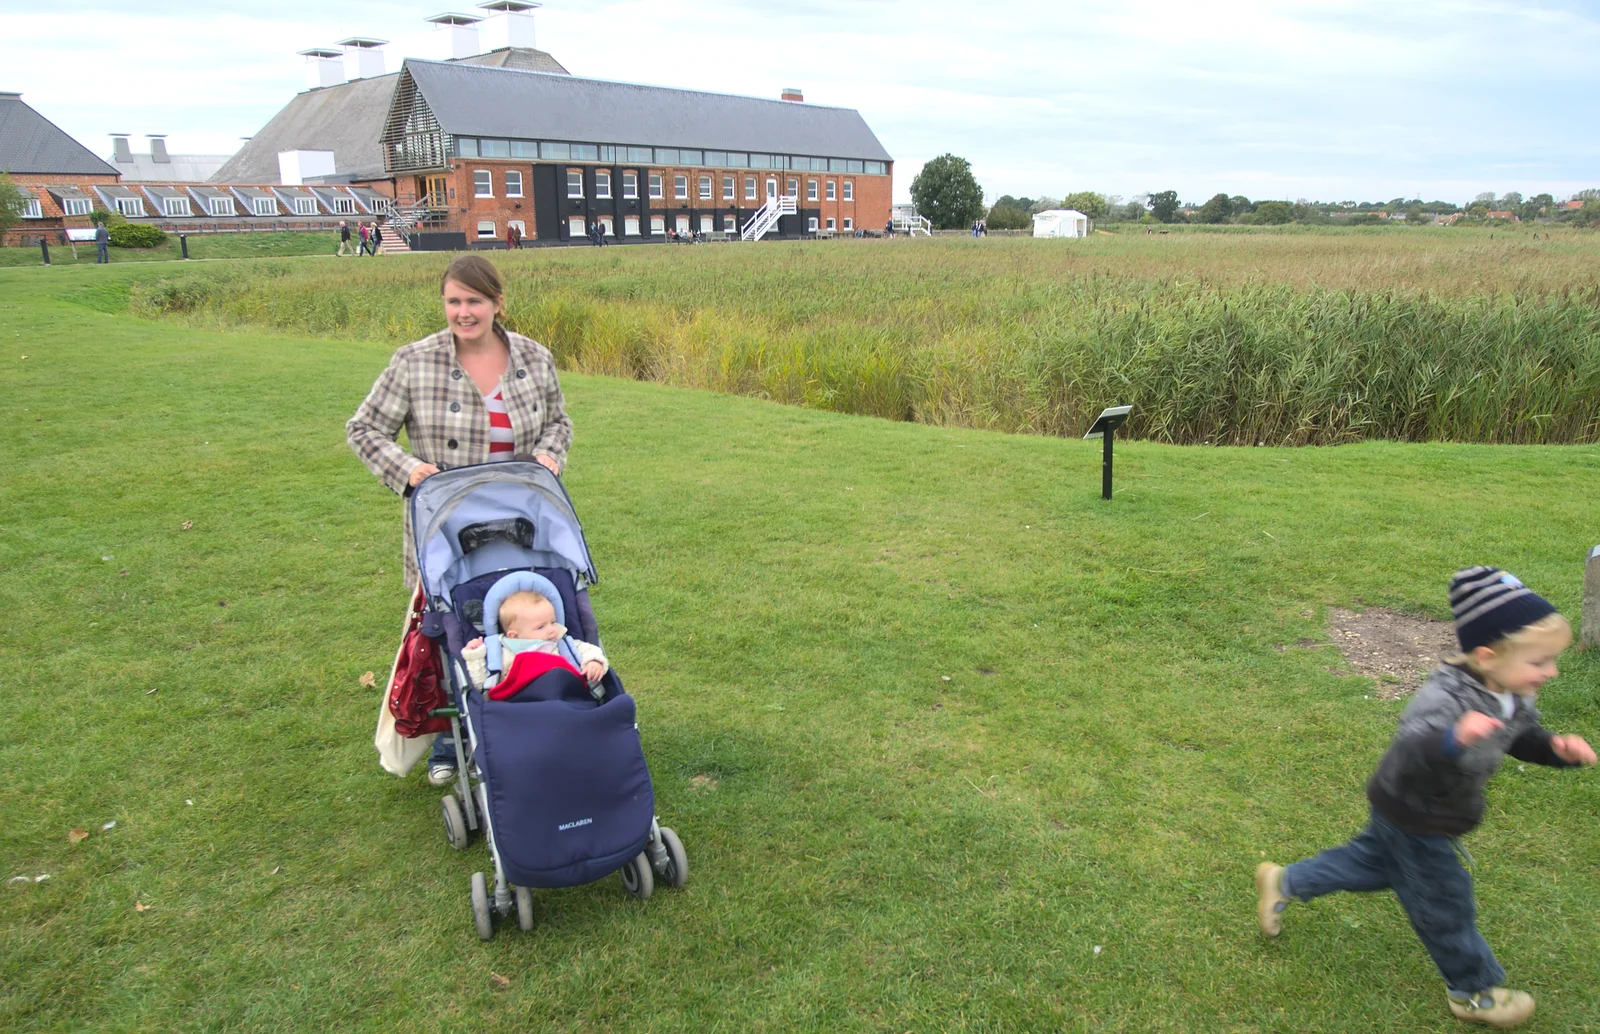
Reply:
x=554 y=775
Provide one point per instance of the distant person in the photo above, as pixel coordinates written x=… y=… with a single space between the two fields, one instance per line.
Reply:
x=377 y=238
x=102 y=244
x=366 y=240
x=1428 y=789
x=888 y=228
x=344 y=239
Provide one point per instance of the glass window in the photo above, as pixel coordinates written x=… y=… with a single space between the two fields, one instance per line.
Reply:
x=31 y=209
x=83 y=206
x=305 y=206
x=749 y=188
x=482 y=183
x=608 y=153
x=466 y=147
x=342 y=205
x=811 y=190
x=658 y=224
x=630 y=184
x=130 y=206
x=220 y=206
x=717 y=158
x=794 y=188
x=513 y=183
x=574 y=182
x=585 y=153
x=680 y=186
x=849 y=223
x=831 y=196
x=875 y=168
x=811 y=224
x=524 y=149
x=690 y=158
x=630 y=225
x=705 y=188
x=852 y=166
x=837 y=165
x=575 y=226
x=260 y=205
x=522 y=227
x=738 y=161
x=655 y=184
x=727 y=188
x=560 y=152
x=849 y=190
x=605 y=226
x=494 y=148
x=602 y=183
x=729 y=224
x=174 y=206
x=681 y=225
x=830 y=223
x=640 y=154
x=486 y=230
x=666 y=156
x=760 y=161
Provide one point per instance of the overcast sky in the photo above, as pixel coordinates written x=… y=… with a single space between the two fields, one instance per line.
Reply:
x=1329 y=100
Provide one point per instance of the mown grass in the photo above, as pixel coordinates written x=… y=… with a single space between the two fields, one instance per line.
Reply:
x=1126 y=729
x=1446 y=335
x=201 y=246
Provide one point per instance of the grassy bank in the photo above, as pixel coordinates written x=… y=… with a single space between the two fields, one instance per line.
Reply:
x=1240 y=339
x=201 y=246
x=954 y=745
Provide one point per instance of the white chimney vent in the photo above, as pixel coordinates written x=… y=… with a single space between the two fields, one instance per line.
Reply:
x=295 y=167
x=120 y=149
x=158 y=148
x=462 y=30
x=509 y=24
x=324 y=67
x=363 y=57
x=792 y=93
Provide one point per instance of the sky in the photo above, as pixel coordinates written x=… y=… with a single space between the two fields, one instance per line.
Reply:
x=1327 y=100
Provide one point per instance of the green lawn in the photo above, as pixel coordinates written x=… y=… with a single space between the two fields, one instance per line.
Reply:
x=201 y=246
x=953 y=744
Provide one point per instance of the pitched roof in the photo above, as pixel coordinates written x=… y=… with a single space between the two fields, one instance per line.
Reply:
x=31 y=143
x=497 y=102
x=182 y=168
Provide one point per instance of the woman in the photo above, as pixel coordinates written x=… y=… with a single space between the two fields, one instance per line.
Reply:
x=472 y=393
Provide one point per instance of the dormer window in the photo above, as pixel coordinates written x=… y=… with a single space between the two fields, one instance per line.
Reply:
x=219 y=206
x=343 y=205
x=305 y=206
x=263 y=206
x=175 y=206
x=131 y=207
x=76 y=206
x=31 y=209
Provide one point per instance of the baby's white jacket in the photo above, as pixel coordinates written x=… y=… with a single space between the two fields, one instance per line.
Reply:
x=476 y=657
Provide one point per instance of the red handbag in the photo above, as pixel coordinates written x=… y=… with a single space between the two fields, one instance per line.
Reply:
x=417 y=686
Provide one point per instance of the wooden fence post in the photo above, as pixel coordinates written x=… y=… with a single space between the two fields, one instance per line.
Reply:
x=1589 y=637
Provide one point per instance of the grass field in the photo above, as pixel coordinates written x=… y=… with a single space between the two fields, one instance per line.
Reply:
x=1325 y=338
x=953 y=744
x=201 y=246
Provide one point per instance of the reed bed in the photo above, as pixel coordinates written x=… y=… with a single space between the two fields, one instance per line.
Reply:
x=1281 y=339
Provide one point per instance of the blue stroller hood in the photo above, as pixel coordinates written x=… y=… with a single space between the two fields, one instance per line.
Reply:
x=469 y=521
x=518 y=581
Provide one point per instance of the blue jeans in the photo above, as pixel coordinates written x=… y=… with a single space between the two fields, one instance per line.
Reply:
x=1427 y=876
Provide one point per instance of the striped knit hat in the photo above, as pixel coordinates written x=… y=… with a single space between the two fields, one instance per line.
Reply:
x=1490 y=604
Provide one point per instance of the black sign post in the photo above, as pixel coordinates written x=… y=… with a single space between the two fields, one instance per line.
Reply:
x=1105 y=428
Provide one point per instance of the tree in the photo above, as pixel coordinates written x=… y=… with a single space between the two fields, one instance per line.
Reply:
x=1512 y=200
x=947 y=193
x=1273 y=213
x=1008 y=217
x=1164 y=206
x=1021 y=204
x=1136 y=211
x=1216 y=210
x=1241 y=205
x=13 y=202
x=1086 y=201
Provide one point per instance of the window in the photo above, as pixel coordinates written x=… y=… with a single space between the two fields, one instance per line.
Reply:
x=852 y=166
x=575 y=226
x=831 y=191
x=640 y=154
x=482 y=183
x=727 y=188
x=689 y=158
x=717 y=158
x=849 y=190
x=749 y=188
x=666 y=156
x=608 y=153
x=811 y=190
x=705 y=188
x=466 y=147
x=175 y=206
x=486 y=230
x=738 y=161
x=875 y=168
x=682 y=225
x=706 y=224
x=602 y=183
x=494 y=148
x=77 y=206
x=729 y=223
x=605 y=226
x=559 y=152
x=513 y=183
x=263 y=206
x=772 y=188
x=811 y=224
x=343 y=205
x=630 y=225
x=305 y=206
x=630 y=184
x=794 y=188
x=524 y=149
x=830 y=223
x=680 y=186
x=849 y=223
x=585 y=153
x=658 y=224
x=130 y=206
x=837 y=165
x=655 y=184
x=220 y=206
x=522 y=227
x=575 y=183
x=31 y=209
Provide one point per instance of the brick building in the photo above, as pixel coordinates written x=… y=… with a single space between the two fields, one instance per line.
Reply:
x=52 y=167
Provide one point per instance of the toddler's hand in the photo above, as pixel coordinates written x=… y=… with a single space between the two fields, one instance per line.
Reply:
x=475 y=643
x=1572 y=749
x=1474 y=726
x=593 y=670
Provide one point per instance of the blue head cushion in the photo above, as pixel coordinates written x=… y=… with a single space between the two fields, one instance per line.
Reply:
x=516 y=581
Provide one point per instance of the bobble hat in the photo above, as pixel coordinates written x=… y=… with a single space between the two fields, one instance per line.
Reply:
x=1490 y=604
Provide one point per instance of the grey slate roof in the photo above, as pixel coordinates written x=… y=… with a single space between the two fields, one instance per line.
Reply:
x=31 y=143
x=496 y=102
x=183 y=168
x=346 y=119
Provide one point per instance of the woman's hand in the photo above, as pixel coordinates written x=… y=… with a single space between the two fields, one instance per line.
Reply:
x=548 y=463
x=422 y=471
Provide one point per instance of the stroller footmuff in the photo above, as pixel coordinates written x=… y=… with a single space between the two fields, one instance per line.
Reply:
x=562 y=791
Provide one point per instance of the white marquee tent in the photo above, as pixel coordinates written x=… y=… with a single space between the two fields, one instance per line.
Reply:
x=1060 y=222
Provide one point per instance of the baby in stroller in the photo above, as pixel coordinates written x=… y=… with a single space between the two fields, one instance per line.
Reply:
x=528 y=623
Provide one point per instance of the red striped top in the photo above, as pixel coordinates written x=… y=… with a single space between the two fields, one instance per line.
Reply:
x=501 y=441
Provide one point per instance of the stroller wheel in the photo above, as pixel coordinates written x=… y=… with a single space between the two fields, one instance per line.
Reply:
x=525 y=908
x=480 y=907
x=637 y=877
x=455 y=823
x=676 y=871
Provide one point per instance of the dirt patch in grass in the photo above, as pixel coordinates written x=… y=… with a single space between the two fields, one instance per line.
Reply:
x=1396 y=650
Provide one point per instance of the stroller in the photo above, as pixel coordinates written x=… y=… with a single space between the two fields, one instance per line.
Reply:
x=554 y=776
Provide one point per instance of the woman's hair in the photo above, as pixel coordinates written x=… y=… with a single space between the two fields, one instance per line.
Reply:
x=475 y=273
x=1551 y=632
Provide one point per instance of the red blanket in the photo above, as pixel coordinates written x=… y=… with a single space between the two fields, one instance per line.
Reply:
x=525 y=667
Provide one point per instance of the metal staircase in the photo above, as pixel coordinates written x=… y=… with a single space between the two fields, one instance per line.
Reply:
x=767 y=216
x=913 y=224
x=404 y=219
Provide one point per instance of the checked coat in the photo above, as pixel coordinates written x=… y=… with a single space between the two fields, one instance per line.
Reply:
x=426 y=391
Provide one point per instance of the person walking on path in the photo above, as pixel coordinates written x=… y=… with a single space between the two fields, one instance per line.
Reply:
x=377 y=238
x=366 y=239
x=102 y=244
x=1428 y=789
x=344 y=239
x=472 y=393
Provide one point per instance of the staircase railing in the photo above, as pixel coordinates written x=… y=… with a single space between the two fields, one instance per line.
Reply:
x=914 y=224
x=767 y=216
x=404 y=218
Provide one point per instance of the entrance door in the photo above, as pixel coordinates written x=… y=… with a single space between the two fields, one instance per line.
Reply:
x=546 y=206
x=435 y=190
x=772 y=189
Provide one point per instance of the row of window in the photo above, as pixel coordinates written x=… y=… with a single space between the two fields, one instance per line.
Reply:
x=483 y=186
x=471 y=147
x=179 y=207
x=489 y=230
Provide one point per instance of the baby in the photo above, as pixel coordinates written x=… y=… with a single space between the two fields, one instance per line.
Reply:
x=528 y=622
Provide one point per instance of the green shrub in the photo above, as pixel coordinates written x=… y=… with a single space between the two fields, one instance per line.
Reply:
x=131 y=235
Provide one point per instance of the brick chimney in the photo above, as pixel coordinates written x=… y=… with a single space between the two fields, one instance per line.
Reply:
x=792 y=93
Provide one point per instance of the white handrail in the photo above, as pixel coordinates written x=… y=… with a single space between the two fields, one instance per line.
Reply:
x=767 y=216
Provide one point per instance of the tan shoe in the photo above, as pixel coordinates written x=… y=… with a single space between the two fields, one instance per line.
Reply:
x=1498 y=1007
x=1270 y=899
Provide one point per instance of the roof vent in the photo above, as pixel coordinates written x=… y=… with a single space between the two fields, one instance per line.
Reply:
x=792 y=93
x=120 y=151
x=363 y=57
x=509 y=23
x=324 y=67
x=158 y=148
x=462 y=30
